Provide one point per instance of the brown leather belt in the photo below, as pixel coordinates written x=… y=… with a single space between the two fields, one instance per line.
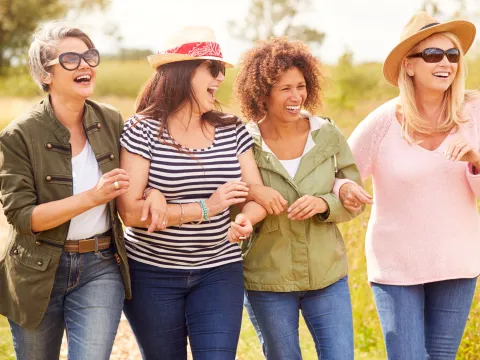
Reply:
x=96 y=243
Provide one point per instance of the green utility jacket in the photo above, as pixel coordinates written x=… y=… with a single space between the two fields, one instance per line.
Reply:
x=36 y=168
x=284 y=255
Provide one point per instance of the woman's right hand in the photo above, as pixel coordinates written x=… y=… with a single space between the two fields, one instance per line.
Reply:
x=156 y=205
x=269 y=198
x=353 y=196
x=226 y=195
x=112 y=184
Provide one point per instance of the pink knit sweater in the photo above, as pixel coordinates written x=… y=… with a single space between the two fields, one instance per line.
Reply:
x=424 y=224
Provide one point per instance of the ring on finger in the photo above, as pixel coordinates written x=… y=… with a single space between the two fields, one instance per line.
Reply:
x=116 y=185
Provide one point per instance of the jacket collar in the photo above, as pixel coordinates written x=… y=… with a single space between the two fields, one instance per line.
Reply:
x=324 y=137
x=58 y=128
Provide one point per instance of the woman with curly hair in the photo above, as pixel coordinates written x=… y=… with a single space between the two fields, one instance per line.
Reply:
x=296 y=258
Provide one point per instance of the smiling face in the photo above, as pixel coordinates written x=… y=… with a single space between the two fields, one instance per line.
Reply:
x=204 y=86
x=287 y=96
x=432 y=77
x=79 y=83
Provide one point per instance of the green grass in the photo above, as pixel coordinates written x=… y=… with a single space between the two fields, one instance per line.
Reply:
x=6 y=351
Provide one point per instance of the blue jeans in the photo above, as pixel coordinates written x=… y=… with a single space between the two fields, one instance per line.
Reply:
x=170 y=304
x=86 y=300
x=327 y=313
x=424 y=321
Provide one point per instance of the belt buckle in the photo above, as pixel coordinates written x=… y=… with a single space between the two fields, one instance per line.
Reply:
x=85 y=246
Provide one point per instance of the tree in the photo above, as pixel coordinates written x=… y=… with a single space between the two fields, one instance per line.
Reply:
x=463 y=8
x=19 y=18
x=267 y=18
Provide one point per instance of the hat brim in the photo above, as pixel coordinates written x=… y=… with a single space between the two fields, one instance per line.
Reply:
x=162 y=59
x=464 y=30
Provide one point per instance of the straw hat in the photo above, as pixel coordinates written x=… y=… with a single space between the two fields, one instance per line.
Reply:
x=190 y=43
x=421 y=26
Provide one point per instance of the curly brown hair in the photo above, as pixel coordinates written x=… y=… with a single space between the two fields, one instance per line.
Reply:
x=261 y=66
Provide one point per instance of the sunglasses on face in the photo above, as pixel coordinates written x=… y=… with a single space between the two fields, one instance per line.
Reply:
x=71 y=60
x=435 y=55
x=217 y=67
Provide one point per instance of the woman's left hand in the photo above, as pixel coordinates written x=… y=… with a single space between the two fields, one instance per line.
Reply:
x=460 y=149
x=306 y=207
x=240 y=229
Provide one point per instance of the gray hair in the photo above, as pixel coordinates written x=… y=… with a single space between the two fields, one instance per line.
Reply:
x=43 y=47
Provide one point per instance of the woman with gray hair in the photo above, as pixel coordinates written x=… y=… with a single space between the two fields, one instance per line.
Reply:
x=65 y=265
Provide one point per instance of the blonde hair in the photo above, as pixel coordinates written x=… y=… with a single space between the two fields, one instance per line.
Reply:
x=451 y=110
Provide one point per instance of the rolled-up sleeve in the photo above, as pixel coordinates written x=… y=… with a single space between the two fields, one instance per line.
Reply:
x=17 y=183
x=473 y=178
x=347 y=170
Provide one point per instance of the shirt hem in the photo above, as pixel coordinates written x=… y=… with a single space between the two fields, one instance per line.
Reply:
x=151 y=263
x=421 y=281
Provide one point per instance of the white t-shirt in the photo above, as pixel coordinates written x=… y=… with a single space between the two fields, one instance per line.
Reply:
x=86 y=174
x=292 y=165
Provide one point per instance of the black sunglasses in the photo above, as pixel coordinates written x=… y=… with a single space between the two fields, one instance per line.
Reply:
x=217 y=67
x=434 y=55
x=71 y=60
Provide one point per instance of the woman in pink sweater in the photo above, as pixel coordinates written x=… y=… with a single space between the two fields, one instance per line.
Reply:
x=421 y=149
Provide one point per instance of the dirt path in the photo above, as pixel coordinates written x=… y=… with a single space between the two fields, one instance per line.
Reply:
x=124 y=348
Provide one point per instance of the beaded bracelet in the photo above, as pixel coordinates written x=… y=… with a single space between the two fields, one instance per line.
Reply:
x=204 y=210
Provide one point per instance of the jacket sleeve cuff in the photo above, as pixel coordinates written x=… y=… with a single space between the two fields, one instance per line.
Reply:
x=330 y=204
x=25 y=221
x=323 y=216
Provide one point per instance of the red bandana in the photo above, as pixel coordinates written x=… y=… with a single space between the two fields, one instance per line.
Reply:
x=196 y=49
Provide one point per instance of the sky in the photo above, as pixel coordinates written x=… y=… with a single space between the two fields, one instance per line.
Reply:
x=368 y=28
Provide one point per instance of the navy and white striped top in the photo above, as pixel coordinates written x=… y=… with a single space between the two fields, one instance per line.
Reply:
x=185 y=176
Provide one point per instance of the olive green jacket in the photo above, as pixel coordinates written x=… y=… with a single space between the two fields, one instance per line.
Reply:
x=284 y=255
x=36 y=168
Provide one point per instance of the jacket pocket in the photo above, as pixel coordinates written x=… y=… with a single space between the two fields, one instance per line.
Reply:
x=269 y=225
x=33 y=260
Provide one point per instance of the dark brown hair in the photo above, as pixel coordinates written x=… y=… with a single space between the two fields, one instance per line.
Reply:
x=168 y=90
x=261 y=66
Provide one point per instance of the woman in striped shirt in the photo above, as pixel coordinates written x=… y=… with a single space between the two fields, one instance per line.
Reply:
x=194 y=163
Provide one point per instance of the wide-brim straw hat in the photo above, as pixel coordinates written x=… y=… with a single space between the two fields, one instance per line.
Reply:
x=190 y=43
x=421 y=26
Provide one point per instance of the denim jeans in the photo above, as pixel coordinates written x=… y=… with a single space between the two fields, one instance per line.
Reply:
x=86 y=300
x=424 y=321
x=327 y=313
x=170 y=304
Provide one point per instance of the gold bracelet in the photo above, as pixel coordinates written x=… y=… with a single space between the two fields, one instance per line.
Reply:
x=182 y=213
x=201 y=216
